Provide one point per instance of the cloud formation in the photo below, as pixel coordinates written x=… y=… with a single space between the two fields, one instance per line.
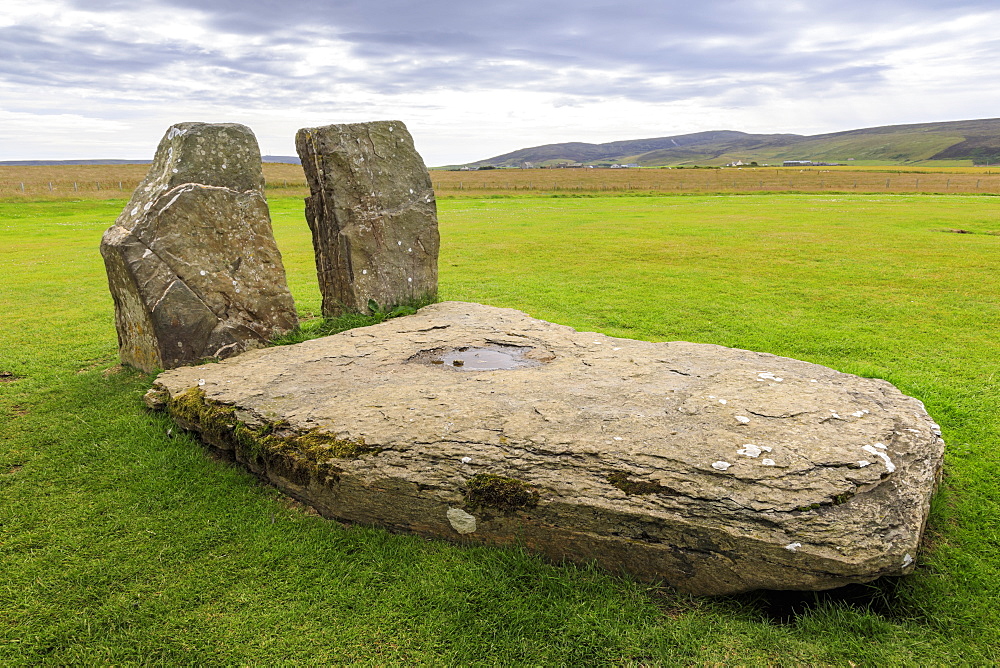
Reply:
x=528 y=70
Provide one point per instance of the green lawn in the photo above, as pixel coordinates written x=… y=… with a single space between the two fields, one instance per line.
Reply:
x=124 y=543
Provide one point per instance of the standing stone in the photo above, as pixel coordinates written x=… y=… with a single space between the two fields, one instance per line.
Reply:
x=192 y=263
x=372 y=214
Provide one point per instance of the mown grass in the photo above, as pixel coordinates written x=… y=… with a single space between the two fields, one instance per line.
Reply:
x=123 y=542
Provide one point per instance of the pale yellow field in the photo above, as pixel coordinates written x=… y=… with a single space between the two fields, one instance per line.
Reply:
x=118 y=181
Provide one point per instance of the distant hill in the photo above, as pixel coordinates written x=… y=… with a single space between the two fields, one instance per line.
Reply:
x=34 y=163
x=975 y=141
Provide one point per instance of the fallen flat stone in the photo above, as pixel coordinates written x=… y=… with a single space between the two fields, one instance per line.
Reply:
x=715 y=469
x=372 y=214
x=192 y=263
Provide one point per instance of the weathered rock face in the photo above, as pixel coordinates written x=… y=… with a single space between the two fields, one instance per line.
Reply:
x=372 y=214
x=715 y=469
x=192 y=263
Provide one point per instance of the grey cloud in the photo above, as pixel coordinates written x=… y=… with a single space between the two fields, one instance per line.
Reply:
x=577 y=48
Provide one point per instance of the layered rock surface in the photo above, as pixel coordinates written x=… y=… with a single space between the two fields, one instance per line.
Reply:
x=192 y=263
x=715 y=469
x=372 y=214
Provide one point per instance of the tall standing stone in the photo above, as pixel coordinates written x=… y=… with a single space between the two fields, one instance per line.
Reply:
x=372 y=214
x=192 y=263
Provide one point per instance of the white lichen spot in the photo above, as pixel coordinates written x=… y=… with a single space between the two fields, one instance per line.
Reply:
x=618 y=438
x=135 y=211
x=834 y=415
x=398 y=243
x=813 y=381
x=237 y=291
x=880 y=446
x=616 y=349
x=889 y=466
x=792 y=547
x=223 y=165
x=203 y=272
x=863 y=463
x=721 y=466
x=147 y=253
x=767 y=375
x=723 y=401
x=711 y=396
x=751 y=450
x=767 y=462
x=175 y=170
x=907 y=560
x=409 y=280
x=364 y=271
x=411 y=191
x=461 y=521
x=201 y=381
x=409 y=250
x=743 y=419
x=175 y=132
x=466 y=460
x=858 y=413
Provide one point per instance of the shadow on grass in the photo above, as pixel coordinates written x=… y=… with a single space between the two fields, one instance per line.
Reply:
x=883 y=598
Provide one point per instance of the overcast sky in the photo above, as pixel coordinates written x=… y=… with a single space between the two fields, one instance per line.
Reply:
x=104 y=79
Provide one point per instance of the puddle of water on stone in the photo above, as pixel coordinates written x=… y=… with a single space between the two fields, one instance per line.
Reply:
x=482 y=359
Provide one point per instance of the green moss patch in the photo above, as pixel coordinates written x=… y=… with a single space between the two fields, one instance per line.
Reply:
x=310 y=450
x=499 y=492
x=621 y=480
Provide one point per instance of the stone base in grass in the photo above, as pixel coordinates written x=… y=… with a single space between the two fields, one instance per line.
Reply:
x=714 y=469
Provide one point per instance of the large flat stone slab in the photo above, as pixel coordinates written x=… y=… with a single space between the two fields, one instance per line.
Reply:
x=715 y=469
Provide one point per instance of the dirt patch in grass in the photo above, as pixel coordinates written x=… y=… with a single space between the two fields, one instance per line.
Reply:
x=112 y=371
x=14 y=469
x=8 y=377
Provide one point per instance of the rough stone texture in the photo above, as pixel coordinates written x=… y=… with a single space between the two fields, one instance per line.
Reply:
x=191 y=261
x=372 y=214
x=718 y=470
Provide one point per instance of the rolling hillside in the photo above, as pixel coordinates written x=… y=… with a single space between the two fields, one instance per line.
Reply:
x=957 y=142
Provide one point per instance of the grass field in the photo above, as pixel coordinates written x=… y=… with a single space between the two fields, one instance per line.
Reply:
x=123 y=542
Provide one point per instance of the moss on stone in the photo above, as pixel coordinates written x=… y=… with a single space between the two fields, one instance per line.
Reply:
x=499 y=492
x=621 y=480
x=842 y=498
x=310 y=449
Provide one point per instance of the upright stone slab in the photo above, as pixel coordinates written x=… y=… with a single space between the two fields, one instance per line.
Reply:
x=372 y=214
x=192 y=263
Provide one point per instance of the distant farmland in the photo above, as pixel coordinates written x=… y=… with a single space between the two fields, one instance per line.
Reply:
x=44 y=182
x=764 y=179
x=118 y=181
